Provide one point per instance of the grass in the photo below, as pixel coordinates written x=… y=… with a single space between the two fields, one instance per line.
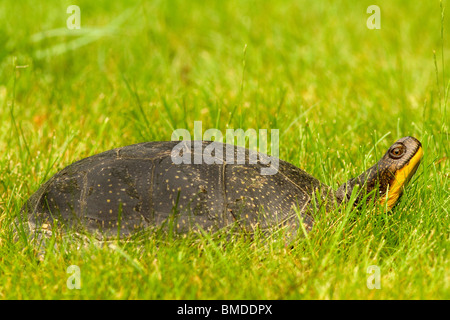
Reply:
x=339 y=93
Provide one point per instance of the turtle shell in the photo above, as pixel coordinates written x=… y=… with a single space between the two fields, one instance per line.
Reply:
x=124 y=190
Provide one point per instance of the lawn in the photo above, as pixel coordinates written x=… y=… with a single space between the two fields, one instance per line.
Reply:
x=338 y=92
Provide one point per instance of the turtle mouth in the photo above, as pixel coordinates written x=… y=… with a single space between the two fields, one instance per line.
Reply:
x=401 y=178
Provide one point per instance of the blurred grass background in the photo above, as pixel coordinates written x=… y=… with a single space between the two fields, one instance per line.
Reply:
x=339 y=93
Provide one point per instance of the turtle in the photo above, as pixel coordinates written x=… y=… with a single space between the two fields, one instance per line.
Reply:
x=175 y=186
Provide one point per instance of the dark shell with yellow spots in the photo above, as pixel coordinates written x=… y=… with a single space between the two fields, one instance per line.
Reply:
x=139 y=187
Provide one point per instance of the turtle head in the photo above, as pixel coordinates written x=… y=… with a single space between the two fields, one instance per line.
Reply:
x=389 y=176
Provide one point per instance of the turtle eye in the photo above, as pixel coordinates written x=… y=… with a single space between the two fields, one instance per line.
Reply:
x=397 y=151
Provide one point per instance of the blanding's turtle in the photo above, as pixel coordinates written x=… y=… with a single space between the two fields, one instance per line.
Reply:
x=122 y=191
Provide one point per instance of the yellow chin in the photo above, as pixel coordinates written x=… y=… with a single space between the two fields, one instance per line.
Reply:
x=400 y=180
